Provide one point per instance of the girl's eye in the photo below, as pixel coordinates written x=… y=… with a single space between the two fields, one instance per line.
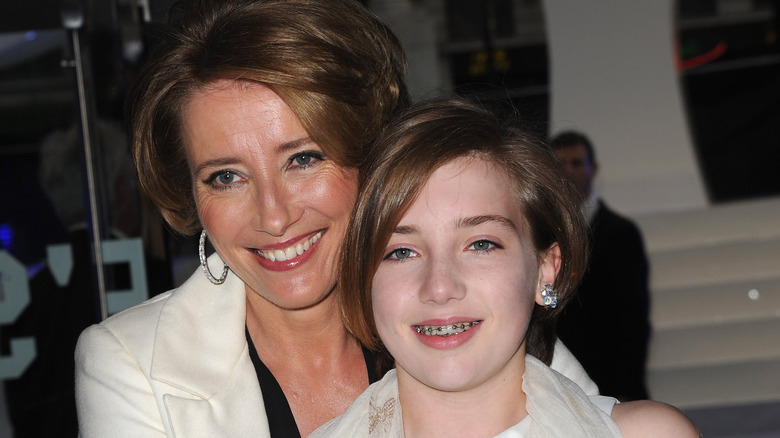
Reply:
x=400 y=254
x=484 y=245
x=306 y=159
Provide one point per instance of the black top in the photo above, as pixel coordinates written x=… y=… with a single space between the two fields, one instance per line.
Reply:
x=281 y=423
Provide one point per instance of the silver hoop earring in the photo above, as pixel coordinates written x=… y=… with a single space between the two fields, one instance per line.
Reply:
x=205 y=264
x=549 y=296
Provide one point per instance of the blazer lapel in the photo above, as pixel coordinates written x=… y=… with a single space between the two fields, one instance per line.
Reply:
x=237 y=410
x=200 y=355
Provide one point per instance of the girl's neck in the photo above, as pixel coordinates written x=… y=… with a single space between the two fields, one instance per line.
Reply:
x=483 y=411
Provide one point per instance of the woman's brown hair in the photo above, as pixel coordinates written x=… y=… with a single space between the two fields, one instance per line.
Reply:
x=411 y=148
x=339 y=68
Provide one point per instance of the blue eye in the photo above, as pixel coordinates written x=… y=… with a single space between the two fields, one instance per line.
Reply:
x=223 y=179
x=226 y=177
x=306 y=158
x=303 y=160
x=484 y=245
x=400 y=254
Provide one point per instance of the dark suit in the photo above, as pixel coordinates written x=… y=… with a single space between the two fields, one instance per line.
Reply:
x=606 y=323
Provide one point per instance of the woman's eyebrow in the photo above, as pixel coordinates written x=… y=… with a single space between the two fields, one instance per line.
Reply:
x=293 y=144
x=228 y=161
x=217 y=162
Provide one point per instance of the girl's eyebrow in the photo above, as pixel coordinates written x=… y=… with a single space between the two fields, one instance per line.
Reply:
x=405 y=229
x=473 y=221
x=465 y=222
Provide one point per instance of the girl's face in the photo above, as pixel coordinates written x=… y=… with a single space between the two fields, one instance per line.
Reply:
x=454 y=292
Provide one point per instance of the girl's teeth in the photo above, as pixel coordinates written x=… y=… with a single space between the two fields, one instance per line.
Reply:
x=445 y=330
x=279 y=255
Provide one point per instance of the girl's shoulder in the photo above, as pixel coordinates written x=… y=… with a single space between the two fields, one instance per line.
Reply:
x=646 y=418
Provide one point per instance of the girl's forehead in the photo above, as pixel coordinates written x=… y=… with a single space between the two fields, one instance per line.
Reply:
x=466 y=187
x=470 y=174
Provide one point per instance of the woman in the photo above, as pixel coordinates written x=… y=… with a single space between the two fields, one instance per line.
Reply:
x=465 y=243
x=248 y=123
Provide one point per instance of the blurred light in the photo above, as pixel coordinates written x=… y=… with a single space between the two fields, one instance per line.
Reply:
x=30 y=35
x=6 y=236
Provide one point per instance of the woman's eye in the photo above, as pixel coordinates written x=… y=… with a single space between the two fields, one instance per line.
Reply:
x=483 y=245
x=305 y=159
x=400 y=254
x=222 y=179
x=226 y=177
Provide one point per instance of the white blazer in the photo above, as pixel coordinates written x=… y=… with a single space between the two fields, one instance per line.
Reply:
x=176 y=365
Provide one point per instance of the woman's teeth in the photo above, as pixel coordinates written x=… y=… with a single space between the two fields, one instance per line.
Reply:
x=445 y=330
x=281 y=255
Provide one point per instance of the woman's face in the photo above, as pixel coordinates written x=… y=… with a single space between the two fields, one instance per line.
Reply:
x=274 y=206
x=454 y=292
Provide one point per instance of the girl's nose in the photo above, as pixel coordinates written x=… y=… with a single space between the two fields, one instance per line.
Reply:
x=442 y=282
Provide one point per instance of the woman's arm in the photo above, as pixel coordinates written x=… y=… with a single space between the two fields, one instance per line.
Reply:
x=645 y=418
x=113 y=395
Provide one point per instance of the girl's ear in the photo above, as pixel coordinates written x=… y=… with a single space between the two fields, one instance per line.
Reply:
x=549 y=266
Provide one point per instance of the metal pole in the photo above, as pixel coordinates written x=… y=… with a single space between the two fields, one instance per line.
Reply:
x=73 y=19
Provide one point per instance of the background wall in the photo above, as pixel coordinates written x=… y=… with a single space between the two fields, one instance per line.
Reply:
x=613 y=75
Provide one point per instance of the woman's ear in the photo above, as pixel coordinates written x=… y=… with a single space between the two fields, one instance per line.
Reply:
x=549 y=265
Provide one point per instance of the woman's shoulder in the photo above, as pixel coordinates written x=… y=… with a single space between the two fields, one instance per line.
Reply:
x=130 y=328
x=141 y=315
x=141 y=319
x=645 y=418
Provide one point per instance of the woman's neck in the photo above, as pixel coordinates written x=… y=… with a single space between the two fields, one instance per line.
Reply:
x=297 y=338
x=318 y=365
x=483 y=411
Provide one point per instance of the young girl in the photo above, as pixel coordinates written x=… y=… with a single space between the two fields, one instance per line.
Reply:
x=465 y=243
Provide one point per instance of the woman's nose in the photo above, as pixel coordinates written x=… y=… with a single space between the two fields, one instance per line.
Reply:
x=443 y=282
x=276 y=209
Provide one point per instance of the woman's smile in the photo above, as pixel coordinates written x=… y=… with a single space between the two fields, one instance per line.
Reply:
x=289 y=257
x=290 y=252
